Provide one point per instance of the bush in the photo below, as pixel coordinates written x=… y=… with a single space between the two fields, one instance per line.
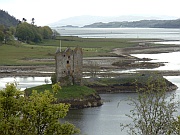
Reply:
x=34 y=115
x=153 y=112
x=53 y=78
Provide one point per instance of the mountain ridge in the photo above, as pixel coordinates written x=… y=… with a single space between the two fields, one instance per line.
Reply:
x=81 y=21
x=6 y=19
x=139 y=24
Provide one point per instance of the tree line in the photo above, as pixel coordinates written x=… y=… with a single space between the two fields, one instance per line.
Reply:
x=25 y=32
x=6 y=33
x=31 y=33
x=12 y=29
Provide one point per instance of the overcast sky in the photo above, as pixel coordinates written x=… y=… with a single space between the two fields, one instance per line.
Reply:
x=49 y=11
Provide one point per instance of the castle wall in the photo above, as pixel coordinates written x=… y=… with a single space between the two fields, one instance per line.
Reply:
x=78 y=65
x=69 y=66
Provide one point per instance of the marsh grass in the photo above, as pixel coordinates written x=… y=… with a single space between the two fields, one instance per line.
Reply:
x=123 y=79
x=22 y=54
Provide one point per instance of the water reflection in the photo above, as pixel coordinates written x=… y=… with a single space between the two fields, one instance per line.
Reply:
x=176 y=81
x=169 y=42
x=24 y=82
x=158 y=33
x=104 y=120
x=170 y=59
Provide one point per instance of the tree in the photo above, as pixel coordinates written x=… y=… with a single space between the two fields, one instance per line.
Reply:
x=37 y=35
x=153 y=112
x=55 y=34
x=28 y=33
x=10 y=108
x=1 y=36
x=24 y=20
x=46 y=32
x=38 y=114
x=31 y=33
x=6 y=33
x=176 y=126
x=24 y=32
x=32 y=21
x=12 y=30
x=2 y=33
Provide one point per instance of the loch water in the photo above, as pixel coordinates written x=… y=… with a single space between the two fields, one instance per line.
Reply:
x=160 y=33
x=103 y=120
x=106 y=119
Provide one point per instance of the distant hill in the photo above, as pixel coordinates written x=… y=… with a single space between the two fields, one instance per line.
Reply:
x=70 y=26
x=87 y=19
x=6 y=19
x=168 y=24
x=139 y=24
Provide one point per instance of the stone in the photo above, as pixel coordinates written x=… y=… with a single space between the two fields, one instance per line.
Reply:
x=69 y=64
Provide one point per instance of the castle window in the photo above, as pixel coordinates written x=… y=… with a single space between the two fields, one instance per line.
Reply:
x=69 y=57
x=68 y=62
x=68 y=72
x=64 y=55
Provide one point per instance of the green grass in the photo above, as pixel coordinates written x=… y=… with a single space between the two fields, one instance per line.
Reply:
x=91 y=46
x=67 y=92
x=123 y=79
x=24 y=54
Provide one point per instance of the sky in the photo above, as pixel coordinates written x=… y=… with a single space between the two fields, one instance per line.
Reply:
x=50 y=11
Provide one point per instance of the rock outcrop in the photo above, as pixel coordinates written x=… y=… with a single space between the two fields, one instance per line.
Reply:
x=93 y=100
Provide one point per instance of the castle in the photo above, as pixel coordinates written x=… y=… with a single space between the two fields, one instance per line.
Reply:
x=69 y=64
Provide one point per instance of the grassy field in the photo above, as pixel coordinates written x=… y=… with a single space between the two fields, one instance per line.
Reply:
x=67 y=92
x=24 y=54
x=21 y=54
x=123 y=79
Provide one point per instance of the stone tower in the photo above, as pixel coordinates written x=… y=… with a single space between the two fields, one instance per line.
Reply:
x=78 y=65
x=69 y=66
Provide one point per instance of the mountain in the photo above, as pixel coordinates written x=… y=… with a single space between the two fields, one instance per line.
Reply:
x=139 y=24
x=168 y=24
x=7 y=20
x=86 y=19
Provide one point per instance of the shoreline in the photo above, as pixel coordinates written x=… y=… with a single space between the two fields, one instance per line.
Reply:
x=122 y=61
